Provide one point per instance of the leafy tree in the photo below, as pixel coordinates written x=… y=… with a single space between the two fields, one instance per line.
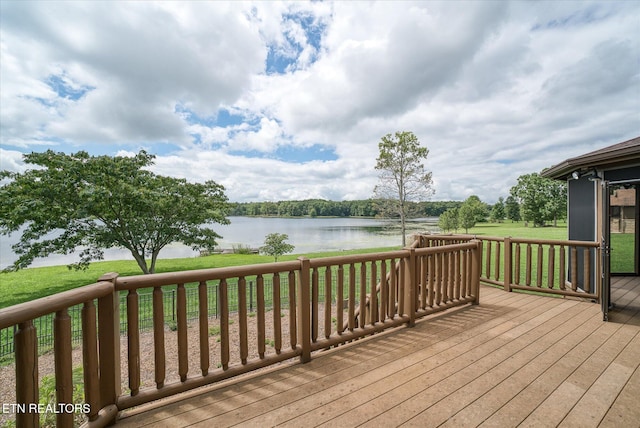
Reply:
x=466 y=216
x=512 y=208
x=448 y=220
x=556 y=207
x=541 y=199
x=77 y=201
x=498 y=211
x=275 y=245
x=402 y=175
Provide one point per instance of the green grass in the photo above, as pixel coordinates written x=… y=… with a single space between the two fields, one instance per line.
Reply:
x=518 y=230
x=33 y=283
x=622 y=253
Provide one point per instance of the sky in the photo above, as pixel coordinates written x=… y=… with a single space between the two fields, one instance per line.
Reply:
x=289 y=100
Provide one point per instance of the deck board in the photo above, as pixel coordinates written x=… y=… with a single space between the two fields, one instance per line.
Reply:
x=516 y=359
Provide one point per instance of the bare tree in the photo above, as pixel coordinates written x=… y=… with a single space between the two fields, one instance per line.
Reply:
x=402 y=174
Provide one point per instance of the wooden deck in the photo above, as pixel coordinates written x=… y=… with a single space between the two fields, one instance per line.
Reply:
x=514 y=360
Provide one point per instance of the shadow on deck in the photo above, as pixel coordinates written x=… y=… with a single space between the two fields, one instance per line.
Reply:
x=516 y=359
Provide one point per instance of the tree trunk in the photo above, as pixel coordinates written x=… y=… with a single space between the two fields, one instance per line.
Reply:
x=141 y=262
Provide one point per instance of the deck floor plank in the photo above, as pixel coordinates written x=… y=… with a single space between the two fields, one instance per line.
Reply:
x=515 y=359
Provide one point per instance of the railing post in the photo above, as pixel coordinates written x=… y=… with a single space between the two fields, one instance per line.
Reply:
x=508 y=274
x=109 y=344
x=410 y=286
x=304 y=306
x=26 y=355
x=476 y=261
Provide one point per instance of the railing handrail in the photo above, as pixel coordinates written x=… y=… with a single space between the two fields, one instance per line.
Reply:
x=27 y=311
x=566 y=243
x=184 y=277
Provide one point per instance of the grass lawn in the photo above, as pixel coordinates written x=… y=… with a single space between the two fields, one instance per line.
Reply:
x=34 y=283
x=518 y=230
x=622 y=253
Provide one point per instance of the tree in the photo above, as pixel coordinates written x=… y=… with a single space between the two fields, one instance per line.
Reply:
x=77 y=201
x=556 y=207
x=512 y=208
x=402 y=175
x=466 y=216
x=498 y=211
x=275 y=245
x=472 y=211
x=541 y=199
x=448 y=220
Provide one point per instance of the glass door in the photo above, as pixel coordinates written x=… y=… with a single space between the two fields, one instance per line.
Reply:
x=623 y=228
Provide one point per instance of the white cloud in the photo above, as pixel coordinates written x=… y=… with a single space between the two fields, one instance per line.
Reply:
x=493 y=89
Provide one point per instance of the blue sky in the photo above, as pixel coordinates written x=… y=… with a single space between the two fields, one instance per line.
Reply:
x=288 y=100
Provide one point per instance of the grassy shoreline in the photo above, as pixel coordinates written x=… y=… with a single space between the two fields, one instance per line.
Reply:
x=33 y=283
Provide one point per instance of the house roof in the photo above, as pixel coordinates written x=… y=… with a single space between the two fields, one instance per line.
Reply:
x=625 y=153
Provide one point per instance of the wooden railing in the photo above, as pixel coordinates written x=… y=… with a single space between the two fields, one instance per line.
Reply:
x=331 y=301
x=569 y=268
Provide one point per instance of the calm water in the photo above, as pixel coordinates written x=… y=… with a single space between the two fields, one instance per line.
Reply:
x=306 y=234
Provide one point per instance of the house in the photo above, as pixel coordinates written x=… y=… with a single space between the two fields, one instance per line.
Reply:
x=604 y=206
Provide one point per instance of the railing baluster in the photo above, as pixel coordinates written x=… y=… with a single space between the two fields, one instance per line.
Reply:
x=293 y=318
x=574 y=268
x=393 y=284
x=456 y=273
x=384 y=291
x=242 y=316
x=315 y=300
x=551 y=267
x=133 y=341
x=373 y=301
x=277 y=310
x=422 y=281
x=158 y=337
x=181 y=313
x=224 y=323
x=63 y=369
x=539 y=268
x=203 y=327
x=340 y=300
x=304 y=301
x=586 y=270
x=261 y=316
x=352 y=296
x=445 y=277
x=528 y=267
x=327 y=302
x=364 y=314
x=563 y=272
x=487 y=273
x=496 y=275
x=432 y=275
x=26 y=355
x=517 y=263
x=402 y=271
x=90 y=359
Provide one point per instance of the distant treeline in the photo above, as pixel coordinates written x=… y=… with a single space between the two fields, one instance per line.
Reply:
x=323 y=208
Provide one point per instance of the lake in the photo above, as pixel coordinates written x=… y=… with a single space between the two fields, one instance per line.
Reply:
x=306 y=234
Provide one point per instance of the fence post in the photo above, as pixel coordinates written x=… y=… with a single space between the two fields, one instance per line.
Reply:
x=109 y=344
x=410 y=286
x=508 y=275
x=304 y=306
x=26 y=357
x=476 y=262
